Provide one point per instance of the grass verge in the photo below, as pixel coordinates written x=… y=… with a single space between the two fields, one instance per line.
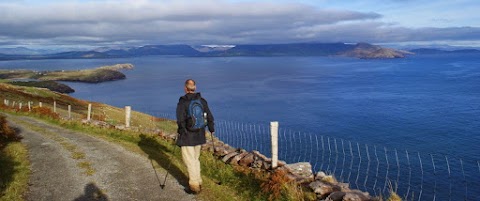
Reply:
x=14 y=163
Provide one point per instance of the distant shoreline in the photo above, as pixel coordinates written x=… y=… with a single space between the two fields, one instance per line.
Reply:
x=48 y=79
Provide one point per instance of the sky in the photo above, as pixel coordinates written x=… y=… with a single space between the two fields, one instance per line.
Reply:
x=98 y=23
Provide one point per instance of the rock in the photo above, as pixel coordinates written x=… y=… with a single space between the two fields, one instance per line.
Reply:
x=260 y=155
x=235 y=159
x=267 y=165
x=247 y=160
x=302 y=171
x=320 y=175
x=336 y=196
x=320 y=188
x=227 y=157
x=344 y=186
x=356 y=195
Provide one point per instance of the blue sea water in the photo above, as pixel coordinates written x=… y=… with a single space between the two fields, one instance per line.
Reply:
x=427 y=103
x=423 y=103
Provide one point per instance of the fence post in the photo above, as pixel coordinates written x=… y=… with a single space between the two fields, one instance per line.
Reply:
x=55 y=106
x=89 y=113
x=13 y=104
x=69 y=111
x=5 y=102
x=29 y=106
x=274 y=135
x=128 y=110
x=40 y=104
x=20 y=106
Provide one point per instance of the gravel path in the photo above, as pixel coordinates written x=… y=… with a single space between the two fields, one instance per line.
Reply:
x=68 y=165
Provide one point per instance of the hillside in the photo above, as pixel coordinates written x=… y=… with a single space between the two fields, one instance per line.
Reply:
x=361 y=50
x=96 y=75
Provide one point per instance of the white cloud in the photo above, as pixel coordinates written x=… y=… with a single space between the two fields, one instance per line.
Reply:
x=200 y=22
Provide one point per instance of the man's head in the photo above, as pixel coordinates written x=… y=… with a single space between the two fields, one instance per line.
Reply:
x=190 y=86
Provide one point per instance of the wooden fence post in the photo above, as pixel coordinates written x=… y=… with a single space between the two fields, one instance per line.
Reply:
x=54 y=106
x=20 y=106
x=69 y=111
x=128 y=112
x=29 y=106
x=274 y=135
x=89 y=113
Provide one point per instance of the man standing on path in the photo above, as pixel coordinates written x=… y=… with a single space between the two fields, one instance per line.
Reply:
x=193 y=115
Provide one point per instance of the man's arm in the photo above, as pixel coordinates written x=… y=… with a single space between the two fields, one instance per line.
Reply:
x=181 y=118
x=210 y=120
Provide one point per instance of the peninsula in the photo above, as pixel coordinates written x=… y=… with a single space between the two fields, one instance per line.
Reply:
x=47 y=79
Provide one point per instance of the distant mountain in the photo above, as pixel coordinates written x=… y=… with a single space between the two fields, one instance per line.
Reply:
x=180 y=50
x=368 y=51
x=212 y=48
x=440 y=51
x=360 y=50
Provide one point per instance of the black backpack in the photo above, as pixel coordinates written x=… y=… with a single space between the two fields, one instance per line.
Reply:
x=197 y=115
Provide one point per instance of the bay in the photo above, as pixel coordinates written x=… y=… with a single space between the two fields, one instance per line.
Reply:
x=426 y=103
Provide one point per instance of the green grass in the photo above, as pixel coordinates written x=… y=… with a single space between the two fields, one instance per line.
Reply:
x=14 y=171
x=236 y=183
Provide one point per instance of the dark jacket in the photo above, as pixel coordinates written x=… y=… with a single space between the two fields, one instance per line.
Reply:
x=187 y=137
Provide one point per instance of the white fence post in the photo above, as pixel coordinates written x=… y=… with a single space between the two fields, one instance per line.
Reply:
x=128 y=112
x=13 y=105
x=5 y=102
x=69 y=111
x=274 y=135
x=20 y=106
x=29 y=106
x=40 y=104
x=89 y=112
x=54 y=106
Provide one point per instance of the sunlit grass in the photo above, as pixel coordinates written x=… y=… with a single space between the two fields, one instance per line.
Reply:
x=14 y=172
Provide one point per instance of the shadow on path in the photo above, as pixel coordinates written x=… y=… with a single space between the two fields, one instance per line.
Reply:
x=92 y=192
x=162 y=155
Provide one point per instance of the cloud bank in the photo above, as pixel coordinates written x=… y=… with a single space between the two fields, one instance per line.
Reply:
x=128 y=22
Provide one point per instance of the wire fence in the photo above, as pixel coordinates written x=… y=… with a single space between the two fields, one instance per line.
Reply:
x=372 y=168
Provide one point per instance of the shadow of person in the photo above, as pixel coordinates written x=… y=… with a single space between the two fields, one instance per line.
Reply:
x=92 y=192
x=162 y=155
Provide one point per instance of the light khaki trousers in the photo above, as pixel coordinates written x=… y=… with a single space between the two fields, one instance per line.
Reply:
x=191 y=155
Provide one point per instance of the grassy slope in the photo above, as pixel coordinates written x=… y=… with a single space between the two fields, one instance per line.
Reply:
x=104 y=73
x=237 y=184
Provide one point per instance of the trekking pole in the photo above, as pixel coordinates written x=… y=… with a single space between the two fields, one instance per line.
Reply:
x=169 y=164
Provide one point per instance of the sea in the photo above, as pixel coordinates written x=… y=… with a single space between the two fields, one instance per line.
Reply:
x=428 y=104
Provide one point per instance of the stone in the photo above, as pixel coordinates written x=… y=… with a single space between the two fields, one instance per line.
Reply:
x=356 y=195
x=320 y=175
x=321 y=188
x=344 y=186
x=302 y=171
x=260 y=155
x=236 y=159
x=247 y=160
x=336 y=196
x=227 y=157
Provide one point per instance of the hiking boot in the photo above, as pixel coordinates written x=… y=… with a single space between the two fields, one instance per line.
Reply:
x=195 y=188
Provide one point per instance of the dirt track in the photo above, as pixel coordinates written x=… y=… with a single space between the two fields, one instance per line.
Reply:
x=68 y=165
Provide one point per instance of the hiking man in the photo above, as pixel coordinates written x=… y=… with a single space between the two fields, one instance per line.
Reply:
x=193 y=115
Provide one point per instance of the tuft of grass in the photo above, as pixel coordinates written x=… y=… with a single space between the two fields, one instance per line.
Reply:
x=394 y=197
x=87 y=167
